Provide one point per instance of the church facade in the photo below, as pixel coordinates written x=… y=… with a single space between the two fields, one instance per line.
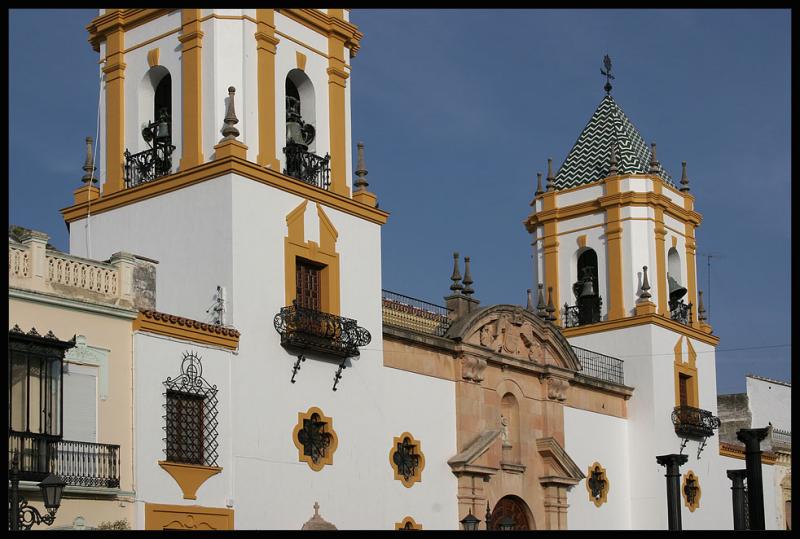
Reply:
x=273 y=383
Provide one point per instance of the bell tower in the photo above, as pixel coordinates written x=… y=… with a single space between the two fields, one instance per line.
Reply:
x=614 y=249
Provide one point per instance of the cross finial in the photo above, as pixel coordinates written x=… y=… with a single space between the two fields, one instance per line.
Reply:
x=607 y=73
x=229 y=132
x=316 y=509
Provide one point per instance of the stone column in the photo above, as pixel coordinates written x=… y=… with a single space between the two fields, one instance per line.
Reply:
x=755 y=488
x=673 y=463
x=737 y=495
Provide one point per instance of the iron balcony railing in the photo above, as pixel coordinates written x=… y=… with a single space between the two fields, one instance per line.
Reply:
x=148 y=165
x=681 y=312
x=306 y=166
x=600 y=366
x=84 y=464
x=414 y=314
x=694 y=423
x=309 y=329
x=581 y=315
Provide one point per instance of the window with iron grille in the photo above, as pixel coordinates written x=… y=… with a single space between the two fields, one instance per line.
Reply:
x=191 y=416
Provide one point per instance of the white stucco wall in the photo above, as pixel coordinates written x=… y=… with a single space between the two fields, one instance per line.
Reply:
x=579 y=427
x=769 y=402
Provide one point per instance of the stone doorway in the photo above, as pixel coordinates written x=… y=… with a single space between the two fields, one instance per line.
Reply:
x=511 y=509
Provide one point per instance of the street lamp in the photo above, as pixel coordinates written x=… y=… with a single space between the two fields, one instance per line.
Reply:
x=470 y=522
x=506 y=523
x=21 y=516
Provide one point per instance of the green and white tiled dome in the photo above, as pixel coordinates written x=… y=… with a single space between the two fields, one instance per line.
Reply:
x=589 y=159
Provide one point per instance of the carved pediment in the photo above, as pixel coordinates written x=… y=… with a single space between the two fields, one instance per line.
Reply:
x=473 y=458
x=559 y=467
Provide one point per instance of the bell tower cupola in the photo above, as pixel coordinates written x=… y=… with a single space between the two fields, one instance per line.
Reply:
x=611 y=210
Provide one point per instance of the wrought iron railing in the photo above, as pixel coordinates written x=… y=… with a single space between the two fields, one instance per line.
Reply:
x=148 y=165
x=600 y=366
x=306 y=166
x=309 y=329
x=681 y=312
x=83 y=464
x=781 y=438
x=578 y=315
x=693 y=422
x=411 y=313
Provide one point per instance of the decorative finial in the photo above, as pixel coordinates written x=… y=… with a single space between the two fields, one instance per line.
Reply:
x=701 y=309
x=550 y=178
x=456 y=277
x=607 y=73
x=529 y=306
x=645 y=285
x=653 y=161
x=361 y=170
x=468 y=290
x=550 y=308
x=539 y=189
x=684 y=178
x=612 y=168
x=541 y=311
x=316 y=509
x=229 y=132
x=88 y=166
x=488 y=515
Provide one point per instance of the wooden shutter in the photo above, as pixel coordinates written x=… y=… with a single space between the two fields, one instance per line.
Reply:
x=683 y=387
x=80 y=404
x=308 y=285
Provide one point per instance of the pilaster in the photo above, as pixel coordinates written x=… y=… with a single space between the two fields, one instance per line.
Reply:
x=191 y=39
x=114 y=70
x=337 y=81
x=266 y=43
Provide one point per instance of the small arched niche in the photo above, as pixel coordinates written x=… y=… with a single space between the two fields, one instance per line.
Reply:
x=300 y=106
x=509 y=420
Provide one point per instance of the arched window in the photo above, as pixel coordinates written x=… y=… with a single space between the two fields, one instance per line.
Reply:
x=587 y=295
x=675 y=288
x=302 y=162
x=162 y=102
x=509 y=412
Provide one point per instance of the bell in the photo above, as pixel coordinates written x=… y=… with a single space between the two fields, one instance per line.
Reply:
x=294 y=133
x=676 y=291
x=588 y=289
x=163 y=129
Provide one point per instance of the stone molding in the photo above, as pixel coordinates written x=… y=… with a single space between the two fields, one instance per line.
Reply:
x=179 y=327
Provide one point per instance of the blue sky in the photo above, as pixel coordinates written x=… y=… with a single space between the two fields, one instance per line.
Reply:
x=460 y=108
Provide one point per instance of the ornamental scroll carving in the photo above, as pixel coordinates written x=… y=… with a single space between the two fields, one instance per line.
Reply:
x=511 y=335
x=472 y=368
x=556 y=388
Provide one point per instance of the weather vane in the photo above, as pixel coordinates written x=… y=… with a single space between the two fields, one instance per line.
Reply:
x=607 y=73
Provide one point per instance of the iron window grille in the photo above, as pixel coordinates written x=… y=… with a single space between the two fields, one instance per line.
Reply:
x=191 y=416
x=314 y=439
x=597 y=483
x=35 y=398
x=691 y=489
x=585 y=312
x=406 y=459
x=694 y=423
x=306 y=166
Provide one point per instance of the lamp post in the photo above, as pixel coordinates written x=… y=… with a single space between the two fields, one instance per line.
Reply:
x=21 y=516
x=506 y=523
x=470 y=522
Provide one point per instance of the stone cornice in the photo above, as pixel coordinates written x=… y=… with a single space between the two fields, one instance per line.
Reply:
x=179 y=327
x=639 y=320
x=221 y=166
x=736 y=451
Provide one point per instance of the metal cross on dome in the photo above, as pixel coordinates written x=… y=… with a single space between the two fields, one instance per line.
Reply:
x=607 y=73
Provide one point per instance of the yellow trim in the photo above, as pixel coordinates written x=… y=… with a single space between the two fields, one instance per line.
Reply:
x=324 y=254
x=601 y=225
x=691 y=274
x=606 y=487
x=327 y=25
x=301 y=60
x=222 y=167
x=119 y=19
x=639 y=320
x=550 y=247
x=689 y=370
x=187 y=329
x=334 y=440
x=189 y=477
x=337 y=81
x=86 y=193
x=266 y=43
x=417 y=477
x=115 y=110
x=737 y=452
x=582 y=241
x=152 y=57
x=301 y=43
x=159 y=516
x=191 y=39
x=616 y=305
x=407 y=520
x=686 y=477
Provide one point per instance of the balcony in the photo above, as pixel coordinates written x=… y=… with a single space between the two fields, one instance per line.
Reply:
x=309 y=329
x=306 y=166
x=155 y=161
x=83 y=464
x=600 y=366
x=587 y=311
x=694 y=423
x=414 y=314
x=680 y=312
